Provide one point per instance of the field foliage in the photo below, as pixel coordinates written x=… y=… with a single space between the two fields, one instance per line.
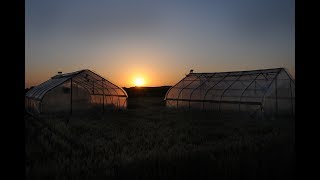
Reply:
x=148 y=141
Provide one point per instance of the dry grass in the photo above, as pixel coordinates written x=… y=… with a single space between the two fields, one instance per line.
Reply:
x=148 y=141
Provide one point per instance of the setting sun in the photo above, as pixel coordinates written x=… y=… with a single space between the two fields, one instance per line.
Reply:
x=139 y=81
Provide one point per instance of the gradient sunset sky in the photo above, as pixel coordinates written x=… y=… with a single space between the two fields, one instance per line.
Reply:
x=159 y=41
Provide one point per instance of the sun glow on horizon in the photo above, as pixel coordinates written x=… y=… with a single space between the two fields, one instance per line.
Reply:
x=139 y=81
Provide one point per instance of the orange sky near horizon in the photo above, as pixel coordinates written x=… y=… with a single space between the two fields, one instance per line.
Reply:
x=155 y=66
x=152 y=77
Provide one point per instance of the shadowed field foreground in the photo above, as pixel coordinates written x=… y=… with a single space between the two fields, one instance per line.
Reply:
x=148 y=141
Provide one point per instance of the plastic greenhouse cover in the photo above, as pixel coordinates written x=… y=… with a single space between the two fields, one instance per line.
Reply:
x=85 y=78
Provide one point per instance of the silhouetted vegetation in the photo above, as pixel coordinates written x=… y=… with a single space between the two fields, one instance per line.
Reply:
x=28 y=89
x=147 y=91
x=148 y=141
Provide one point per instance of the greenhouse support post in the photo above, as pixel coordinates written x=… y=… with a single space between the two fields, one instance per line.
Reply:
x=292 y=112
x=276 y=84
x=103 y=96
x=71 y=96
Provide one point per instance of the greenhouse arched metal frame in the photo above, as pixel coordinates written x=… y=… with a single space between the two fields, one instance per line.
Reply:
x=270 y=91
x=97 y=89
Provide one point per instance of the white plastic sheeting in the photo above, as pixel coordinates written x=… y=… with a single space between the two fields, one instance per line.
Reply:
x=76 y=91
x=271 y=91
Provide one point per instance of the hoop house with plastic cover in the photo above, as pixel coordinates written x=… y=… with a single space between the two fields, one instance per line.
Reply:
x=76 y=91
x=269 y=91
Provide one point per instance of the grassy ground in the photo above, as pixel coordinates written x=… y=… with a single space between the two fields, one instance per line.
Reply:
x=148 y=141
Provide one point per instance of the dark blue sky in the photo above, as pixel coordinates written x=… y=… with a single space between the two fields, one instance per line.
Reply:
x=158 y=40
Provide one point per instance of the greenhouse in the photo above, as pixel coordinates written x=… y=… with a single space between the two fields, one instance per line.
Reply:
x=266 y=91
x=75 y=92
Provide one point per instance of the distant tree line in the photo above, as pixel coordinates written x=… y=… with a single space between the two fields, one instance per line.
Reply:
x=28 y=89
x=147 y=91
